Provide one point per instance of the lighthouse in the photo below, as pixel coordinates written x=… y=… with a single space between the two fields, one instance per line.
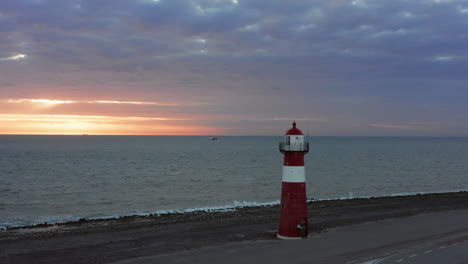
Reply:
x=293 y=212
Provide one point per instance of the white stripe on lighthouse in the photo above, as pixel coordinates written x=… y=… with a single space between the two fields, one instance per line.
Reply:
x=293 y=174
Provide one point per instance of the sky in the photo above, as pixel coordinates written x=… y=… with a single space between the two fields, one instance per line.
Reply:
x=234 y=67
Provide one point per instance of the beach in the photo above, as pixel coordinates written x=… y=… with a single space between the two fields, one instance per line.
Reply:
x=126 y=238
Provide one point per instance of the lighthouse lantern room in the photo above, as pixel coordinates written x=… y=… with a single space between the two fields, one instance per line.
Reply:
x=293 y=211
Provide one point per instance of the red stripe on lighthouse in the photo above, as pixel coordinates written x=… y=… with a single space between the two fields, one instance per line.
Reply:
x=293 y=158
x=293 y=210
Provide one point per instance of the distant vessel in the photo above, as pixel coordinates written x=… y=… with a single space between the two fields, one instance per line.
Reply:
x=212 y=138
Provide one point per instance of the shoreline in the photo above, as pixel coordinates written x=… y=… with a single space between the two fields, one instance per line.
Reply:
x=237 y=205
x=111 y=240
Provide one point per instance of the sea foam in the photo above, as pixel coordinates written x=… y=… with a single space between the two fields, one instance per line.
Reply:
x=9 y=223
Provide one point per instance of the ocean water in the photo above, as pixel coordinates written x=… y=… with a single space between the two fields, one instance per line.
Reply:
x=64 y=178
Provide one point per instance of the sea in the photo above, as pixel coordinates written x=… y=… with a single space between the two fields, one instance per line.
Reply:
x=56 y=179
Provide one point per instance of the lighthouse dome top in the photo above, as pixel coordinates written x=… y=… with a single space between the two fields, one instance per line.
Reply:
x=294 y=130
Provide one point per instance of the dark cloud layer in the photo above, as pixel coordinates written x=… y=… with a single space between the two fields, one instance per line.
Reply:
x=340 y=64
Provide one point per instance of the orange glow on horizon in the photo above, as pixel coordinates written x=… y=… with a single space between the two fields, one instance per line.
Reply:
x=130 y=102
x=44 y=101
x=56 y=102
x=99 y=125
x=51 y=116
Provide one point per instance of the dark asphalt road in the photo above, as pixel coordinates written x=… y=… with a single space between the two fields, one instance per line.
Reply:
x=429 y=238
x=451 y=251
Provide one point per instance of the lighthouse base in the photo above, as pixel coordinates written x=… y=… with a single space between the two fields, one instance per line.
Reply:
x=287 y=238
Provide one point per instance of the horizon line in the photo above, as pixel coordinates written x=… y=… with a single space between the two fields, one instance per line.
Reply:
x=280 y=135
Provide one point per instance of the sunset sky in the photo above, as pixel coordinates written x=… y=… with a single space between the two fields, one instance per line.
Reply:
x=234 y=67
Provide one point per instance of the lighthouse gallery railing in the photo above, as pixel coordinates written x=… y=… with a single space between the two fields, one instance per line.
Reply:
x=283 y=146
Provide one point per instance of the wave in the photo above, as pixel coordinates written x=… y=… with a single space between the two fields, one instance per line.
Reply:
x=47 y=221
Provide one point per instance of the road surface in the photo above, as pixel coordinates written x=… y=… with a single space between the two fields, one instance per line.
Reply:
x=427 y=238
x=448 y=251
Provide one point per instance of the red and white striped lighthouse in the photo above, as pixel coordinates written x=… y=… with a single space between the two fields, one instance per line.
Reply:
x=293 y=213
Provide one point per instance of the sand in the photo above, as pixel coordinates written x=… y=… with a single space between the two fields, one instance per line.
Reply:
x=110 y=240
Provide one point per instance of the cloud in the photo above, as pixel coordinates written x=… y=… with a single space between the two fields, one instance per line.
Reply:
x=14 y=57
x=117 y=35
x=250 y=60
x=393 y=126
